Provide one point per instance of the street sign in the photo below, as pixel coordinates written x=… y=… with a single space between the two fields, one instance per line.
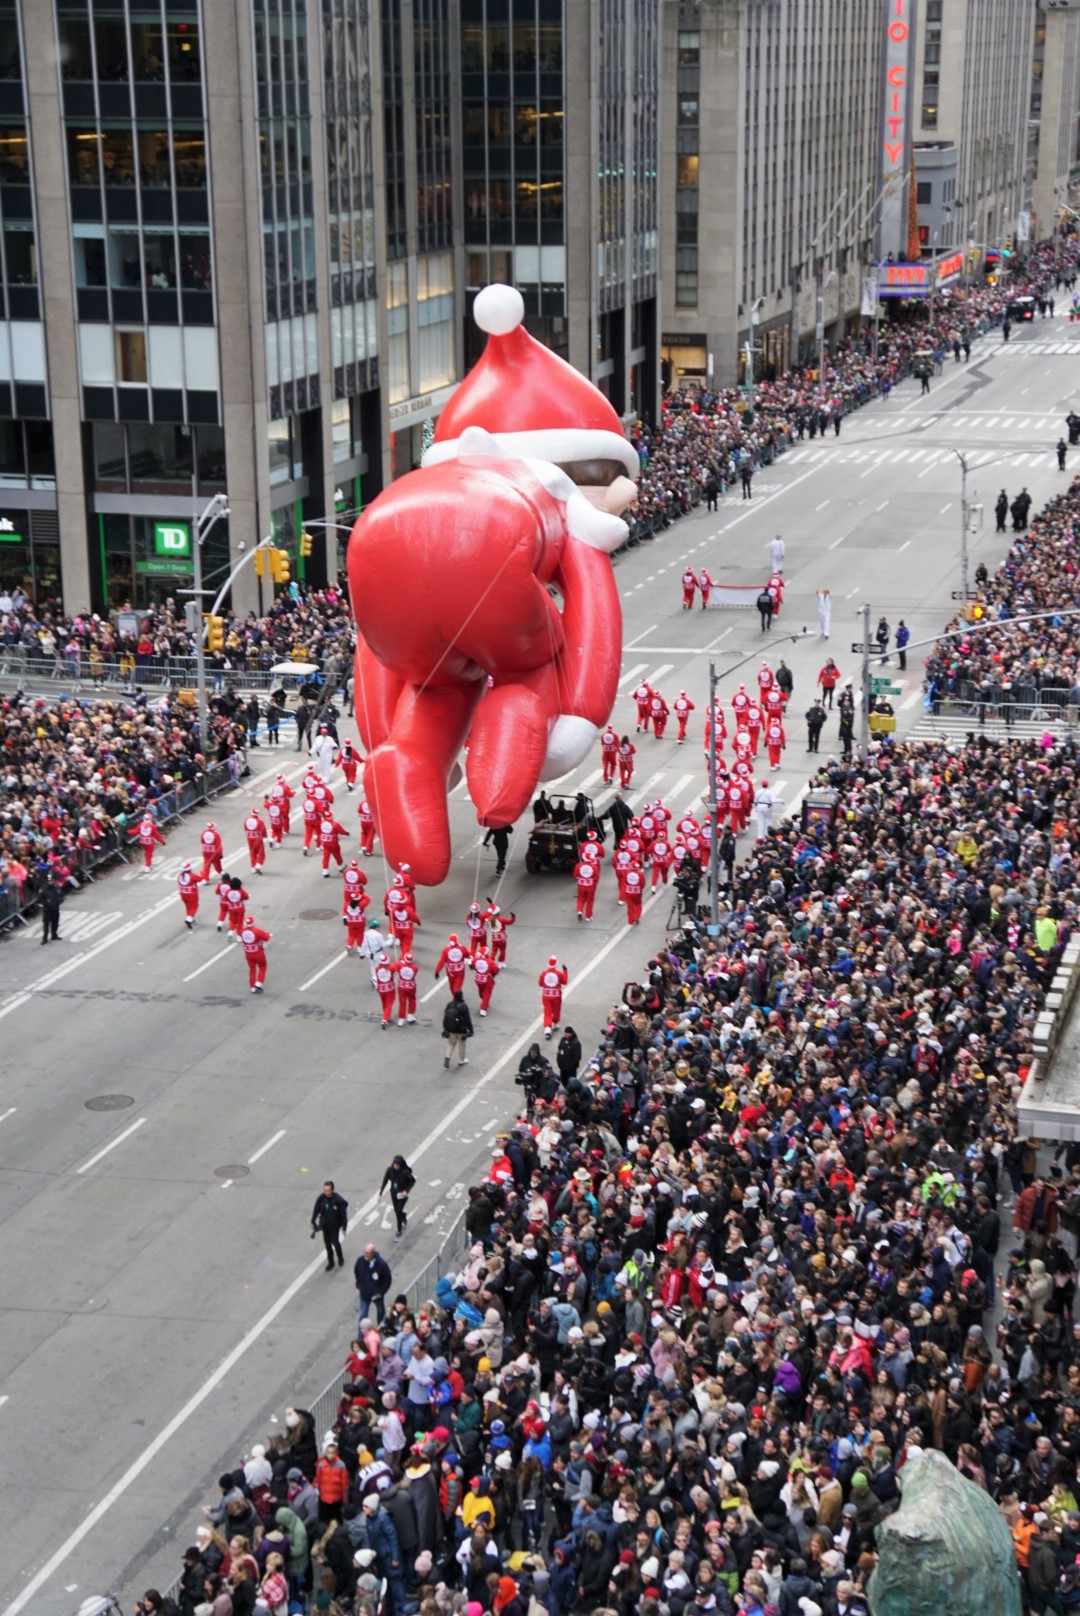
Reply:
x=857 y=649
x=958 y=594
x=881 y=688
x=881 y=684
x=172 y=538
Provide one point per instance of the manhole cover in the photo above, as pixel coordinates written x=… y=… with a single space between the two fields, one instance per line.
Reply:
x=236 y=1171
x=317 y=914
x=110 y=1102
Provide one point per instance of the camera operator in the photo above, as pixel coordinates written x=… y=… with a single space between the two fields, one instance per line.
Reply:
x=688 y=884
x=536 y=1077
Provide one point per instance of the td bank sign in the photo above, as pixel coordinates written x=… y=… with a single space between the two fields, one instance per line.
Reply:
x=173 y=540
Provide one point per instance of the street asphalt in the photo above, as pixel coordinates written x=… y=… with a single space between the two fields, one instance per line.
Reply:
x=161 y=1299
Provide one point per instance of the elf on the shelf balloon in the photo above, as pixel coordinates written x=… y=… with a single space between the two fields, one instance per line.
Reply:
x=449 y=572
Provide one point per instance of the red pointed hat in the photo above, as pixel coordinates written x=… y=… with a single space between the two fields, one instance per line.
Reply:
x=531 y=401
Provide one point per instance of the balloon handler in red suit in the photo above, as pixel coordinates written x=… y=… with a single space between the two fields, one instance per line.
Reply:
x=522 y=488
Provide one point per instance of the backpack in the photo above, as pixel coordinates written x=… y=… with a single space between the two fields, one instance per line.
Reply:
x=408 y=1178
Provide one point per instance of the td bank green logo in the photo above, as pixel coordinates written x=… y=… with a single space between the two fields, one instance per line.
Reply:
x=172 y=539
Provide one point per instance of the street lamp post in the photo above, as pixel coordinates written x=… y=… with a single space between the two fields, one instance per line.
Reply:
x=215 y=511
x=823 y=286
x=754 y=318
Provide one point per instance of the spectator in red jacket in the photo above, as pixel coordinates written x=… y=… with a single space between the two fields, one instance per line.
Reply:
x=1037 y=1204
x=331 y=1483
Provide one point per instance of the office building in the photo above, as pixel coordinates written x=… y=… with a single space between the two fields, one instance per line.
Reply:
x=237 y=237
x=770 y=176
x=560 y=178
x=971 y=78
x=1054 y=116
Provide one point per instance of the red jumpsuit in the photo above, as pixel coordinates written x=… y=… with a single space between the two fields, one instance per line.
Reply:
x=661 y=861
x=353 y=881
x=742 y=746
x=687 y=825
x=210 y=843
x=721 y=729
x=775 y=588
x=330 y=834
x=587 y=876
x=348 y=761
x=323 y=796
x=283 y=793
x=499 y=925
x=592 y=848
x=621 y=863
x=367 y=829
x=634 y=887
x=626 y=763
x=312 y=816
x=484 y=972
x=408 y=974
x=476 y=928
x=221 y=892
x=552 y=980
x=452 y=959
x=353 y=919
x=774 y=740
x=234 y=908
x=682 y=707
x=187 y=884
x=753 y=724
x=634 y=844
x=275 y=813
x=643 y=696
x=689 y=584
x=658 y=714
x=705 y=583
x=765 y=682
x=384 y=987
x=740 y=701
x=255 y=831
x=311 y=779
x=149 y=838
x=736 y=806
x=253 y=938
x=609 y=753
x=402 y=917
x=773 y=702
x=648 y=829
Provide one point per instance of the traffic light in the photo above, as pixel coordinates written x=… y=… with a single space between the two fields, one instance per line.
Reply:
x=279 y=565
x=260 y=564
x=215 y=633
x=306 y=545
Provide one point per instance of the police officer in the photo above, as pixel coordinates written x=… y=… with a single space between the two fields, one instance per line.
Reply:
x=1001 y=510
x=50 y=899
x=1061 y=454
x=331 y=1216
x=815 y=720
x=903 y=635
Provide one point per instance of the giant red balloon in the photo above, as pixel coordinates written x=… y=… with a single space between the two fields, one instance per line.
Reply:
x=459 y=637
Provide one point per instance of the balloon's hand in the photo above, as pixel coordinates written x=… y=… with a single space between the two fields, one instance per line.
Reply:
x=570 y=740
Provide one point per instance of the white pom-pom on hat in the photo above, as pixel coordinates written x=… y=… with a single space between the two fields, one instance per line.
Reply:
x=499 y=309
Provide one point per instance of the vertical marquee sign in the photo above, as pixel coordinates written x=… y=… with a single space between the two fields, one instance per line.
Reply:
x=899 y=23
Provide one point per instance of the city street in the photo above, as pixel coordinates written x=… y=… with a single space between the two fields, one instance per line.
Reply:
x=162 y=1300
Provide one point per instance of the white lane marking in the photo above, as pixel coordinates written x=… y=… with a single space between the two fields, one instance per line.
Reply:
x=945 y=508
x=883 y=504
x=269 y=1145
x=903 y=547
x=822 y=506
x=10 y=1112
x=851 y=592
x=211 y=961
x=439 y=987
x=632 y=673
x=720 y=637
x=337 y=959
x=916 y=695
x=86 y=1166
x=226 y=1183
x=654 y=678
x=835 y=542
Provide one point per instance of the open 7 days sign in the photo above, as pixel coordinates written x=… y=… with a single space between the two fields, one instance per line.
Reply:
x=8 y=535
x=172 y=539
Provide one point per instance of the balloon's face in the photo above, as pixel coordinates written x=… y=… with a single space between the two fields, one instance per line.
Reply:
x=603 y=482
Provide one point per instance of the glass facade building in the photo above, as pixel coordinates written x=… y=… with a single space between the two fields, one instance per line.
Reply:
x=257 y=225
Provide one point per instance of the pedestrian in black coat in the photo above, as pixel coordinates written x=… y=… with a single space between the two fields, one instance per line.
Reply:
x=330 y=1215
x=50 y=899
x=568 y=1054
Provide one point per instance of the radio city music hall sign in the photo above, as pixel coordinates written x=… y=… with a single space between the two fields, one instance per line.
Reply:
x=899 y=15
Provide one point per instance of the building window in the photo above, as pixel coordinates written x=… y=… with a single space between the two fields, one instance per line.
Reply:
x=929 y=115
x=14 y=155
x=279 y=436
x=131 y=357
x=688 y=111
x=687 y=172
x=686 y=289
x=689 y=49
x=924 y=193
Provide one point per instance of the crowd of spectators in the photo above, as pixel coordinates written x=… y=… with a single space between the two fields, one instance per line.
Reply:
x=740 y=1266
x=74 y=778
x=1030 y=660
x=704 y=435
x=153 y=643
